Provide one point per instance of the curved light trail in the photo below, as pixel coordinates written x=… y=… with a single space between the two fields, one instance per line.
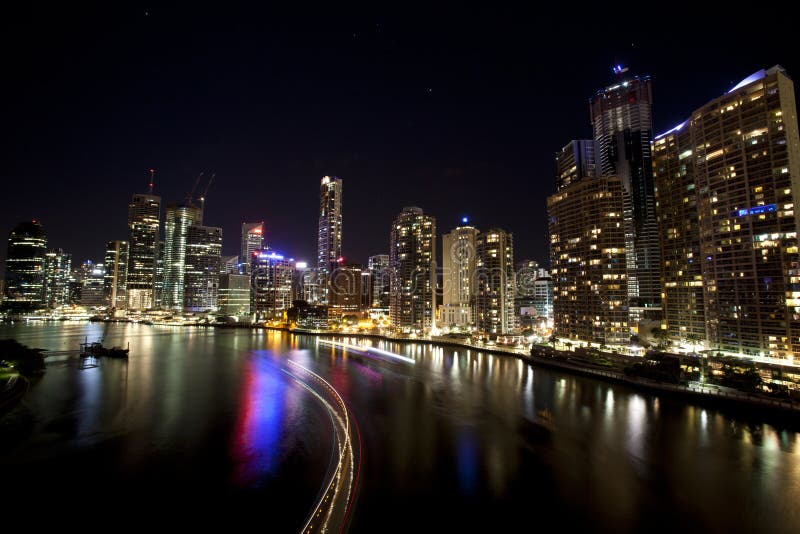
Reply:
x=333 y=508
x=363 y=349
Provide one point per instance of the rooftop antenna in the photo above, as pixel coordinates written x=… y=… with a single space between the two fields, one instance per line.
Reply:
x=152 y=184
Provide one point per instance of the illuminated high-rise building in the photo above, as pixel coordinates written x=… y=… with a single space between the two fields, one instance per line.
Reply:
x=378 y=266
x=412 y=266
x=679 y=227
x=577 y=160
x=57 y=272
x=621 y=116
x=116 y=274
x=234 y=295
x=201 y=268
x=144 y=220
x=458 y=276
x=737 y=159
x=176 y=232
x=346 y=289
x=25 y=261
x=92 y=277
x=270 y=284
x=494 y=282
x=329 y=237
x=252 y=240
x=587 y=259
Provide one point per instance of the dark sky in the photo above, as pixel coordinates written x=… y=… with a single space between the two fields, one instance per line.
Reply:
x=457 y=111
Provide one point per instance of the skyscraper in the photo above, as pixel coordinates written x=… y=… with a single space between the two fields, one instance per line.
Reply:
x=176 y=232
x=116 y=274
x=234 y=295
x=346 y=289
x=742 y=163
x=144 y=220
x=270 y=284
x=57 y=271
x=329 y=237
x=412 y=266
x=494 y=282
x=622 y=123
x=201 y=267
x=252 y=240
x=92 y=277
x=577 y=160
x=25 y=275
x=378 y=266
x=587 y=259
x=458 y=276
x=682 y=266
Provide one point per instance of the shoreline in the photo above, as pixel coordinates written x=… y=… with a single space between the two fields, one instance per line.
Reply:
x=701 y=395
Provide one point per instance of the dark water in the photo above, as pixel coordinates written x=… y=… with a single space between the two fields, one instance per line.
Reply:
x=203 y=426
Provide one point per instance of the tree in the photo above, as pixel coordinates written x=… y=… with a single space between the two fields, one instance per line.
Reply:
x=694 y=339
x=663 y=338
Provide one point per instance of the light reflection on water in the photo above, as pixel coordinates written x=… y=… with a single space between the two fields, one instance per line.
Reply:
x=458 y=430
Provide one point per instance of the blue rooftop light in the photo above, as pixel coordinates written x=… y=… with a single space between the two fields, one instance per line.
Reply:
x=464 y=220
x=750 y=79
x=671 y=130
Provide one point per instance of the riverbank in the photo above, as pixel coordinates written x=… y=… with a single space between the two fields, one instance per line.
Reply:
x=11 y=392
x=706 y=394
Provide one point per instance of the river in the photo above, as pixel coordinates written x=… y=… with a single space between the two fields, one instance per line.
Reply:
x=205 y=425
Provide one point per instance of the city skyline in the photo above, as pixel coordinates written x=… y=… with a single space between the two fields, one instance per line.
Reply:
x=499 y=113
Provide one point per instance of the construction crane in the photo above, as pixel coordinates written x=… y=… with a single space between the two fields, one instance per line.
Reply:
x=191 y=193
x=203 y=196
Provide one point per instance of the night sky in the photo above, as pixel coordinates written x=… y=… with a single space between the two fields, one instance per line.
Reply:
x=457 y=111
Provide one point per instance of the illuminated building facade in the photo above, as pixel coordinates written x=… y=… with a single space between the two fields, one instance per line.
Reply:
x=329 y=237
x=621 y=118
x=93 y=292
x=380 y=278
x=57 y=272
x=412 y=266
x=144 y=219
x=576 y=161
x=346 y=289
x=115 y=283
x=745 y=157
x=270 y=284
x=458 y=276
x=25 y=262
x=201 y=268
x=176 y=232
x=234 y=294
x=494 y=282
x=252 y=240
x=682 y=300
x=587 y=259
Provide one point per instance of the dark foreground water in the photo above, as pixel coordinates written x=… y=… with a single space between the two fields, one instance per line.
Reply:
x=203 y=426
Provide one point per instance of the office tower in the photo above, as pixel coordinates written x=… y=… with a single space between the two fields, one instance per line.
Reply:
x=234 y=295
x=230 y=264
x=412 y=266
x=366 y=289
x=270 y=284
x=116 y=275
x=311 y=286
x=682 y=265
x=741 y=157
x=159 y=283
x=252 y=240
x=144 y=220
x=378 y=266
x=494 y=282
x=92 y=276
x=458 y=276
x=201 y=268
x=622 y=124
x=176 y=231
x=57 y=271
x=576 y=161
x=534 y=296
x=25 y=275
x=346 y=290
x=329 y=238
x=587 y=259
